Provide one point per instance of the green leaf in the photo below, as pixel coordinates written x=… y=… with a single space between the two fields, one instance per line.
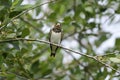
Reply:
x=92 y=25
x=2 y=7
x=76 y=24
x=25 y=32
x=62 y=9
x=102 y=38
x=10 y=76
x=115 y=59
x=17 y=2
x=6 y=3
x=11 y=35
x=22 y=7
x=38 y=11
x=52 y=16
x=117 y=43
x=17 y=10
x=4 y=67
x=6 y=19
x=67 y=19
x=35 y=66
x=110 y=54
x=4 y=55
x=1 y=60
x=16 y=45
x=89 y=9
x=14 y=13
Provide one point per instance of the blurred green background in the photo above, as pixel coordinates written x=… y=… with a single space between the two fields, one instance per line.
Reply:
x=82 y=23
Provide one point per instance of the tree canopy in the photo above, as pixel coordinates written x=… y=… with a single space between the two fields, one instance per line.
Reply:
x=24 y=45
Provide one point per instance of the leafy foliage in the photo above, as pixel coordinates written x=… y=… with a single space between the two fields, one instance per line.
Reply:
x=22 y=60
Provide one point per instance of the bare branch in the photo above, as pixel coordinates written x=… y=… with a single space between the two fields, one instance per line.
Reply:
x=46 y=42
x=31 y=9
x=79 y=63
x=23 y=39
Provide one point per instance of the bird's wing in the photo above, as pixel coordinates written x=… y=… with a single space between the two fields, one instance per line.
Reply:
x=50 y=34
x=62 y=35
x=50 y=38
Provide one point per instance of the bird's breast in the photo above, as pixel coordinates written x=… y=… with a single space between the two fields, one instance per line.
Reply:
x=56 y=37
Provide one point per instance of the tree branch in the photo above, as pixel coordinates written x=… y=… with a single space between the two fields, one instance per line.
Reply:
x=31 y=9
x=34 y=27
x=79 y=63
x=16 y=74
x=25 y=11
x=46 y=42
x=23 y=39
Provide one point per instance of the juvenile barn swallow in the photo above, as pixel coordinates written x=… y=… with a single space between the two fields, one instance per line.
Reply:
x=55 y=36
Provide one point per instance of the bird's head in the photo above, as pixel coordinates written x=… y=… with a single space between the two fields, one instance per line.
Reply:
x=58 y=25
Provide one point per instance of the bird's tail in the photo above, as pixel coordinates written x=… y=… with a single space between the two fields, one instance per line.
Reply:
x=52 y=55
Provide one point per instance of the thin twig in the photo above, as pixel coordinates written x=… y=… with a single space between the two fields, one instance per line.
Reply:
x=23 y=39
x=46 y=42
x=16 y=74
x=34 y=27
x=107 y=65
x=31 y=9
x=25 y=11
x=89 y=73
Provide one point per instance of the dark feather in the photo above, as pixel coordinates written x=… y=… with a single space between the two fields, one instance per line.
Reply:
x=57 y=30
x=52 y=55
x=49 y=39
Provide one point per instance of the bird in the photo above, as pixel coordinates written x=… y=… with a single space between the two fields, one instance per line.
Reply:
x=55 y=36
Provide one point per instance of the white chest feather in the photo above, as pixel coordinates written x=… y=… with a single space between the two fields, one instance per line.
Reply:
x=56 y=37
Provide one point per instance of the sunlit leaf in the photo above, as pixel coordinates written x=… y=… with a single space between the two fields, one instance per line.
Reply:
x=22 y=7
x=115 y=60
x=17 y=3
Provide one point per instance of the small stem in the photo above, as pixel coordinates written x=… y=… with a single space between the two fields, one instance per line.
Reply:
x=46 y=42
